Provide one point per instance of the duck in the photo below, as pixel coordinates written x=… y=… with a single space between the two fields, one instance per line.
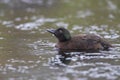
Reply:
x=79 y=43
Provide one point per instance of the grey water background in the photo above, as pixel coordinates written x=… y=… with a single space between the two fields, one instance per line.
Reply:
x=27 y=50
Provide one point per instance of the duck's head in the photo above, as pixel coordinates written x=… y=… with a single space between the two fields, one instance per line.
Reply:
x=62 y=34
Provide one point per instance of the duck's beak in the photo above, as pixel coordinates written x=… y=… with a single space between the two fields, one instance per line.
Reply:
x=51 y=31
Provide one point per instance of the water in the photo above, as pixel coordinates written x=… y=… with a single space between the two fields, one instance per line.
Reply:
x=27 y=49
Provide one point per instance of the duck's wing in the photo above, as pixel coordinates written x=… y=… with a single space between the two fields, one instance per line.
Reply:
x=95 y=39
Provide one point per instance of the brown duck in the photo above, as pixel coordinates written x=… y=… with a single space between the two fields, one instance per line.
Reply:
x=81 y=43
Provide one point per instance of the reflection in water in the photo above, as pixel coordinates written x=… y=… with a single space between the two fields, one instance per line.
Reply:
x=67 y=57
x=77 y=63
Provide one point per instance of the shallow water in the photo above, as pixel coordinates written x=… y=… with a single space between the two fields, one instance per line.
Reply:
x=27 y=50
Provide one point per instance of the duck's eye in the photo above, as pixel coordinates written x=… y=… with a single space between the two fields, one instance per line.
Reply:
x=60 y=31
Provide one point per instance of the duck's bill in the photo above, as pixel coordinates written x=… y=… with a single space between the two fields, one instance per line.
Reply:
x=51 y=31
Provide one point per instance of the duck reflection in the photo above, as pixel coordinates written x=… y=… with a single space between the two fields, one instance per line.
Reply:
x=65 y=57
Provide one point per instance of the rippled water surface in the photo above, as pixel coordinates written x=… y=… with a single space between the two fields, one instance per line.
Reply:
x=27 y=50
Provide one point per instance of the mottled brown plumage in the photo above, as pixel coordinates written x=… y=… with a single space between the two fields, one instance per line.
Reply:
x=82 y=43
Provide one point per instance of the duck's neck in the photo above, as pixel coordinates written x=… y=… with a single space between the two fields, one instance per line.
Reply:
x=64 y=40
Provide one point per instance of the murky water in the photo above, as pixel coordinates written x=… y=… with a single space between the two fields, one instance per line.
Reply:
x=27 y=50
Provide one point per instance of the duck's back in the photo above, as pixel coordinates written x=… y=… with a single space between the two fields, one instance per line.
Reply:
x=85 y=42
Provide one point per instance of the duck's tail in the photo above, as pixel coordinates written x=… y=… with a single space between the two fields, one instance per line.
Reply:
x=106 y=45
